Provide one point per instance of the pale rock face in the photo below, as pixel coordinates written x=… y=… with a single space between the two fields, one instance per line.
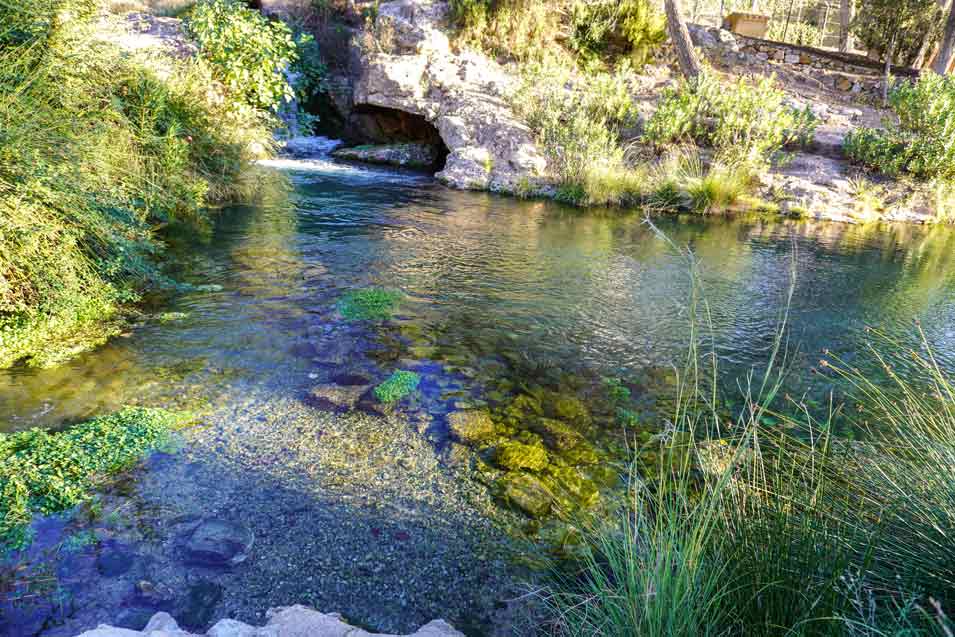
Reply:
x=464 y=95
x=290 y=621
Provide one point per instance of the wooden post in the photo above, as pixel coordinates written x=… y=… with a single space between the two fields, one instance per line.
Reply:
x=686 y=56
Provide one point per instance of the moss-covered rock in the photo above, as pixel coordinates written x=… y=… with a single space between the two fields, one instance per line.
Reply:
x=557 y=435
x=526 y=493
x=513 y=455
x=571 y=409
x=581 y=454
x=582 y=491
x=522 y=409
x=472 y=426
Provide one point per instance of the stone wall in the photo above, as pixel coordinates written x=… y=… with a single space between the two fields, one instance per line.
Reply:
x=838 y=71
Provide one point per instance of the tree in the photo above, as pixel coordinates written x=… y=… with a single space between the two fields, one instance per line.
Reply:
x=676 y=27
x=846 y=9
x=947 y=50
x=895 y=29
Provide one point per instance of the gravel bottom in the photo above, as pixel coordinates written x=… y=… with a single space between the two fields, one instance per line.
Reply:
x=347 y=512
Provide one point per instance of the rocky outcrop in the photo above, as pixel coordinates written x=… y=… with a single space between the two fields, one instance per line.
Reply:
x=406 y=64
x=407 y=155
x=291 y=621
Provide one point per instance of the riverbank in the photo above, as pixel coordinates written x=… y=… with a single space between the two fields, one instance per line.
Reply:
x=100 y=160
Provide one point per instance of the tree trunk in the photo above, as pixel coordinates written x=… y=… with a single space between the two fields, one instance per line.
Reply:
x=689 y=64
x=888 y=67
x=846 y=9
x=945 y=52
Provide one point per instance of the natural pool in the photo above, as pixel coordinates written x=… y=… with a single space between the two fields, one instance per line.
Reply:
x=369 y=514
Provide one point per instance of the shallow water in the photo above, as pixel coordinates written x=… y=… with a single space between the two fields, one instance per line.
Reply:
x=488 y=278
x=366 y=515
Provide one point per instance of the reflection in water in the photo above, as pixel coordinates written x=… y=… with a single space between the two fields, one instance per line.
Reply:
x=485 y=275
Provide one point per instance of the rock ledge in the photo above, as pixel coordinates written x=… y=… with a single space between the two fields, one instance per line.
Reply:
x=290 y=621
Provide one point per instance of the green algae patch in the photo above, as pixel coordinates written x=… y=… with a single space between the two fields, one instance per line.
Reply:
x=47 y=472
x=513 y=455
x=369 y=304
x=397 y=386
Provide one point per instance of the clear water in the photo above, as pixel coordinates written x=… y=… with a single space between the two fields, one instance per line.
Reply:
x=499 y=293
x=489 y=278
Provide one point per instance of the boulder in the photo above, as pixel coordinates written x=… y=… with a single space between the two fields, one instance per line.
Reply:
x=471 y=426
x=335 y=396
x=217 y=542
x=291 y=621
x=526 y=493
x=406 y=155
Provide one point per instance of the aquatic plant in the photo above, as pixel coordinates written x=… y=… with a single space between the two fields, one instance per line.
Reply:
x=46 y=472
x=369 y=304
x=397 y=386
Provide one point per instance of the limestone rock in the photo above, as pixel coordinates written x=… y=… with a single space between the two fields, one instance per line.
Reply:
x=291 y=621
x=462 y=94
x=472 y=426
x=408 y=155
x=217 y=542
x=334 y=396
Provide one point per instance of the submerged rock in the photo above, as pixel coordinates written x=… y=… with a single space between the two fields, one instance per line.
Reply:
x=333 y=396
x=512 y=455
x=291 y=621
x=557 y=435
x=472 y=426
x=217 y=543
x=526 y=492
x=200 y=604
x=407 y=155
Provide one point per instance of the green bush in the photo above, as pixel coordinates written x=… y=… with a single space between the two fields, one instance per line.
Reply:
x=747 y=123
x=633 y=25
x=920 y=142
x=801 y=33
x=249 y=53
x=98 y=150
x=47 y=472
x=397 y=386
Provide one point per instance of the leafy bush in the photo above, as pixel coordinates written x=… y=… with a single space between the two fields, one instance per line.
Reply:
x=249 y=53
x=98 y=149
x=801 y=33
x=747 y=123
x=397 y=386
x=920 y=143
x=634 y=25
x=47 y=472
x=576 y=119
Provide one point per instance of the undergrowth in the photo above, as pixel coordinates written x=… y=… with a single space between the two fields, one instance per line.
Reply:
x=98 y=151
x=48 y=472
x=772 y=520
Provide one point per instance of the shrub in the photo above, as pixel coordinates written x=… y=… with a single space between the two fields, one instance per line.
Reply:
x=397 y=386
x=920 y=142
x=249 y=53
x=747 y=123
x=47 y=472
x=633 y=26
x=801 y=33
x=98 y=150
x=575 y=119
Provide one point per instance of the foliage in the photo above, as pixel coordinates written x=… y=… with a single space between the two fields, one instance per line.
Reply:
x=919 y=143
x=576 y=126
x=248 y=52
x=801 y=33
x=747 y=123
x=47 y=472
x=397 y=386
x=902 y=24
x=769 y=523
x=369 y=304
x=97 y=151
x=634 y=26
